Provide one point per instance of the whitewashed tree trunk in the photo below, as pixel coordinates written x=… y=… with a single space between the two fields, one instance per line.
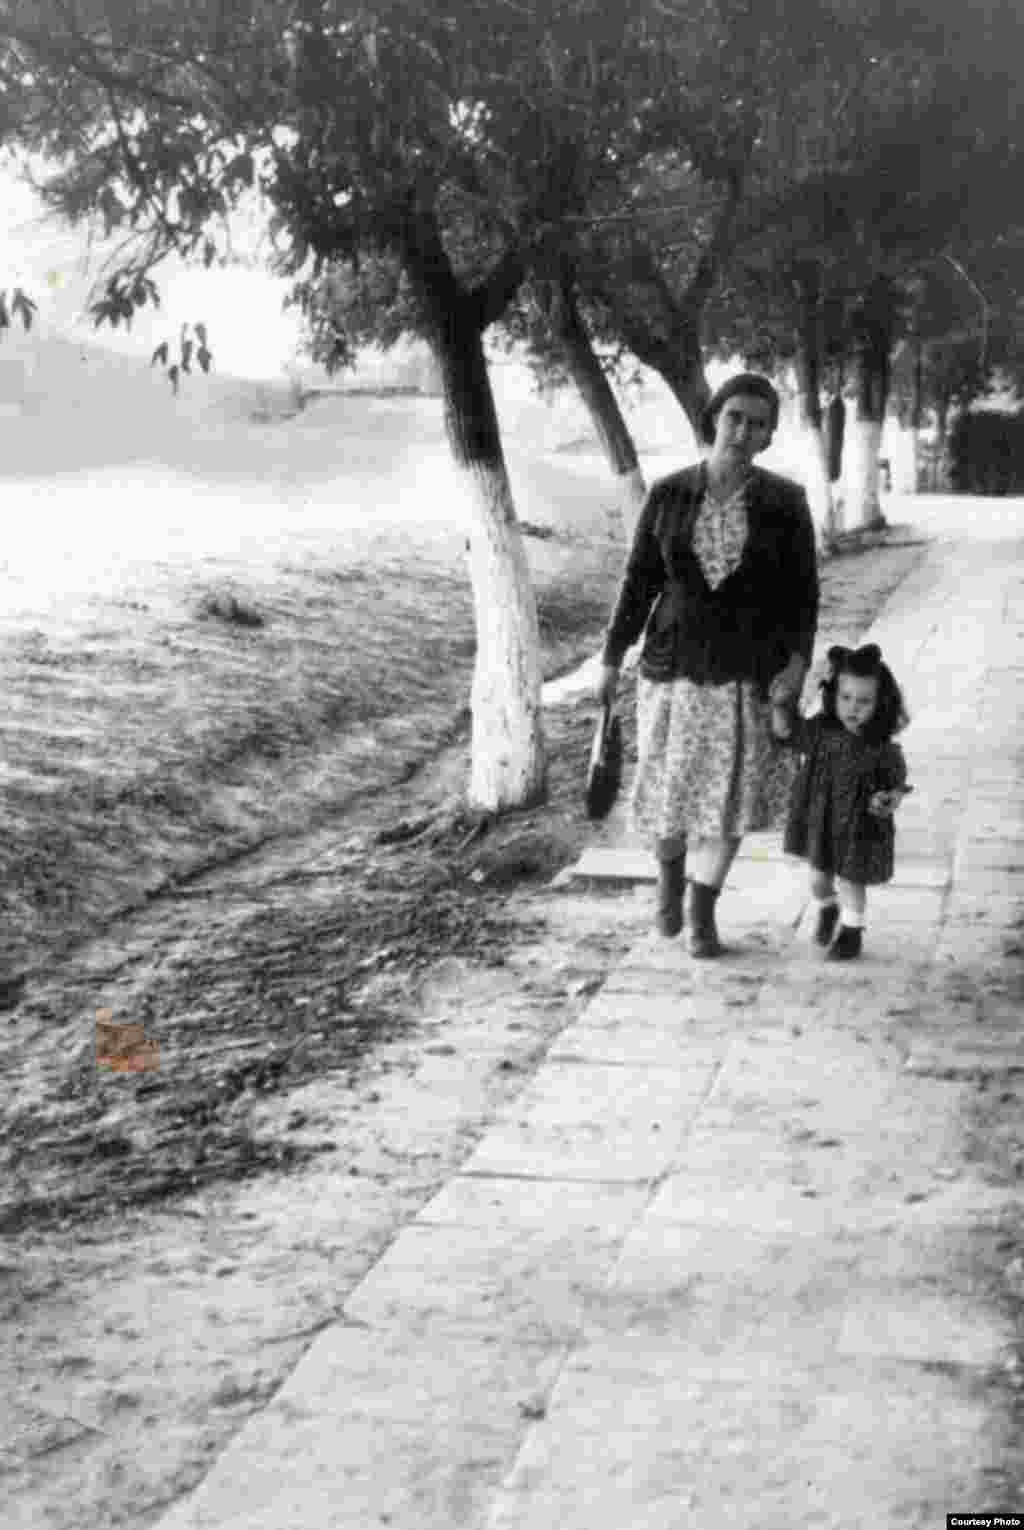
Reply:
x=863 y=444
x=872 y=370
x=507 y=767
x=819 y=487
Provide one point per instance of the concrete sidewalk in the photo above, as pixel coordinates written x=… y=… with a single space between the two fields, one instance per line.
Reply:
x=714 y=1266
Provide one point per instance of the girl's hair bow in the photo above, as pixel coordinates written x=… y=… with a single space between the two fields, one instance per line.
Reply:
x=854 y=661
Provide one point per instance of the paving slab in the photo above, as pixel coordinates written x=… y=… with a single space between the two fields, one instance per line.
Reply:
x=653 y=1438
x=376 y=1428
x=582 y=1121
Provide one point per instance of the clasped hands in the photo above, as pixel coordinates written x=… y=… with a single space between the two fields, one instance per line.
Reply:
x=785 y=689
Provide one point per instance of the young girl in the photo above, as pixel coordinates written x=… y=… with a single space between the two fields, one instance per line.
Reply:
x=852 y=777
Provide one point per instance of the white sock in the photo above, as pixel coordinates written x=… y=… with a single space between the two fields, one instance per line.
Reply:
x=851 y=920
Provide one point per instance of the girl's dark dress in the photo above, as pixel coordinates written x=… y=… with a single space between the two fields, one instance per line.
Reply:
x=829 y=824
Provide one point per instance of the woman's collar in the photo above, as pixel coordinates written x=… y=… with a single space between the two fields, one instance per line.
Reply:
x=743 y=484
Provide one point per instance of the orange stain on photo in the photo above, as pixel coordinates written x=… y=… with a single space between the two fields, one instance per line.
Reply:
x=124 y=1047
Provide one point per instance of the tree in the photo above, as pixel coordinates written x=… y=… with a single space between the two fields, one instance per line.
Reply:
x=898 y=163
x=964 y=337
x=662 y=123
x=450 y=138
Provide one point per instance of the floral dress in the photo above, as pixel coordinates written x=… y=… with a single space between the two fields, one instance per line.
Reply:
x=707 y=764
x=829 y=823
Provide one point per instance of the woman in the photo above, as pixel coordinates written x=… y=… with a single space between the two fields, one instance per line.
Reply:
x=723 y=574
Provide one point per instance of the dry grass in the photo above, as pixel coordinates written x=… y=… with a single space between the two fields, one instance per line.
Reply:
x=173 y=732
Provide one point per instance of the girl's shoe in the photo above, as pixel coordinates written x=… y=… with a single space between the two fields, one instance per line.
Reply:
x=671 y=882
x=704 y=939
x=825 y=924
x=846 y=945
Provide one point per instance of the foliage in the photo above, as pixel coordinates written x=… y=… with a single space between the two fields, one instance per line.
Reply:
x=191 y=344
x=20 y=306
x=353 y=125
x=965 y=329
x=904 y=162
x=987 y=453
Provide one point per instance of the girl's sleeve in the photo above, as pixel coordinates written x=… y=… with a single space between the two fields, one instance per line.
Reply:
x=642 y=582
x=892 y=768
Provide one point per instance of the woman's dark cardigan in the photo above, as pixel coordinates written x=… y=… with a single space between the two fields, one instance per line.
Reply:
x=746 y=629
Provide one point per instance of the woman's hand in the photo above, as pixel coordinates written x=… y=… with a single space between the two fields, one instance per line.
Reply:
x=789 y=682
x=607 y=685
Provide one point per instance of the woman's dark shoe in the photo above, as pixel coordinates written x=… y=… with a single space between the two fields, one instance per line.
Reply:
x=671 y=882
x=846 y=945
x=825 y=924
x=704 y=939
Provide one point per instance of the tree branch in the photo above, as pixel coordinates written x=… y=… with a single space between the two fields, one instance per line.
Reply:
x=492 y=296
x=83 y=55
x=706 y=274
x=137 y=177
x=426 y=261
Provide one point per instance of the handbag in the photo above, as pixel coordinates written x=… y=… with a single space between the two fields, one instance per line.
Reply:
x=604 y=774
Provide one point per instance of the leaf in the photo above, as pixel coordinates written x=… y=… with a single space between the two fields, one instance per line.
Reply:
x=111 y=207
x=160 y=354
x=186 y=355
x=175 y=376
x=209 y=253
x=204 y=358
x=5 y=318
x=22 y=304
x=200 y=330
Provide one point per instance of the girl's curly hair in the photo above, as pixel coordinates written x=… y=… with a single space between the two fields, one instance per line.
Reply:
x=890 y=715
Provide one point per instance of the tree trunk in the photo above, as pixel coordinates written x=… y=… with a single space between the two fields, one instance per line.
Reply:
x=677 y=359
x=835 y=433
x=940 y=466
x=668 y=343
x=507 y=765
x=863 y=449
x=871 y=371
x=917 y=413
x=599 y=399
x=819 y=489
x=808 y=374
